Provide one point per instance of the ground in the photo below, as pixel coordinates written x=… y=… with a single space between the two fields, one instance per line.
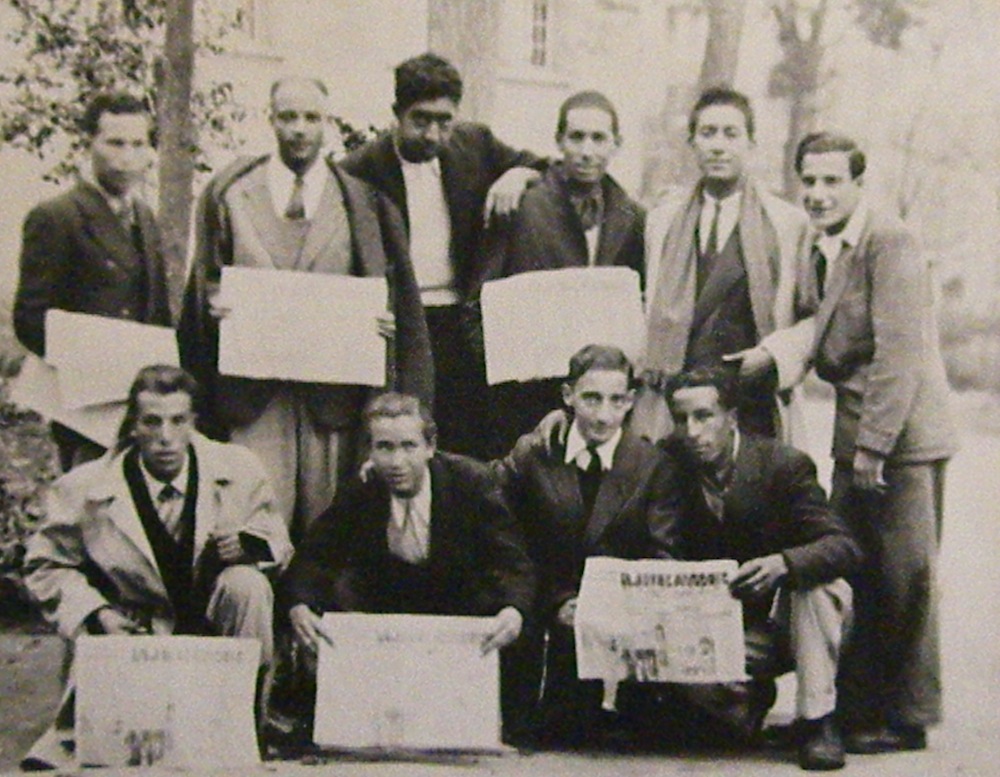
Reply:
x=965 y=744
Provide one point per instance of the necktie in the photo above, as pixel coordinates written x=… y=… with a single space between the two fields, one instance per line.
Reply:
x=406 y=541
x=125 y=212
x=590 y=480
x=296 y=208
x=712 y=246
x=819 y=263
x=169 y=504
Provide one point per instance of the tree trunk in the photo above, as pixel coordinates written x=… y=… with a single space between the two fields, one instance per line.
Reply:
x=722 y=48
x=177 y=142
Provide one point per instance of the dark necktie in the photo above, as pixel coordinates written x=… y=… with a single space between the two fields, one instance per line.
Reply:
x=819 y=263
x=296 y=209
x=712 y=246
x=170 y=505
x=590 y=480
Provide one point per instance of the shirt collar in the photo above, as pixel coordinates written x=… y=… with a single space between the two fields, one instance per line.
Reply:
x=576 y=445
x=421 y=501
x=432 y=165
x=156 y=485
x=731 y=200
x=848 y=237
x=313 y=177
x=117 y=202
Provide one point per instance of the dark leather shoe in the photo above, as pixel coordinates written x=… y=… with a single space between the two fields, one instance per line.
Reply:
x=821 y=749
x=887 y=740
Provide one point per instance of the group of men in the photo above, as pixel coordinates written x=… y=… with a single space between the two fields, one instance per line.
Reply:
x=390 y=510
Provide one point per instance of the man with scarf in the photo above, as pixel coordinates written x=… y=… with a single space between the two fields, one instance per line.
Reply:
x=722 y=264
x=575 y=216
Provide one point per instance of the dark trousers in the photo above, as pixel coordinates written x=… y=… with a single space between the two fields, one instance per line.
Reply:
x=890 y=670
x=461 y=401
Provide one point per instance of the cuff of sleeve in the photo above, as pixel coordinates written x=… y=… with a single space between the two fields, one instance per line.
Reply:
x=876 y=441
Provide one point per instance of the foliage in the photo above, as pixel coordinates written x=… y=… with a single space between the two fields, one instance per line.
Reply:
x=76 y=48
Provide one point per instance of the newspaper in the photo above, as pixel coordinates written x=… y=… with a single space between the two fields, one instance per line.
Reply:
x=659 y=621
x=302 y=326
x=560 y=311
x=407 y=681
x=172 y=701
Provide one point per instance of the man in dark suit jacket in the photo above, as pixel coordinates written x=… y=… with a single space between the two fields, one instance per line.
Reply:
x=444 y=176
x=424 y=532
x=876 y=341
x=587 y=488
x=757 y=501
x=96 y=248
x=290 y=211
x=576 y=216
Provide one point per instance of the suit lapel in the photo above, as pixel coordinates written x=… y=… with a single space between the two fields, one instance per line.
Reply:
x=104 y=227
x=836 y=286
x=617 y=485
x=614 y=226
x=111 y=497
x=760 y=259
x=321 y=229
x=389 y=173
x=255 y=197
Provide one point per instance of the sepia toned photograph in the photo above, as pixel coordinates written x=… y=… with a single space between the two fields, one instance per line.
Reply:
x=502 y=387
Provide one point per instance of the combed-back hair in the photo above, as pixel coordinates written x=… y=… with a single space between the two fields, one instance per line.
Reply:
x=722 y=95
x=155 y=379
x=723 y=379
x=118 y=103
x=587 y=99
x=426 y=77
x=599 y=357
x=829 y=143
x=393 y=404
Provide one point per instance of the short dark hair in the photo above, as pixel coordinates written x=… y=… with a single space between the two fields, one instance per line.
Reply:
x=393 y=404
x=599 y=357
x=587 y=99
x=426 y=77
x=156 y=379
x=723 y=379
x=722 y=95
x=830 y=143
x=118 y=103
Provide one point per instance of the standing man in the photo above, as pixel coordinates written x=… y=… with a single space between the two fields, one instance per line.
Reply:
x=755 y=500
x=291 y=211
x=96 y=248
x=576 y=216
x=171 y=533
x=446 y=177
x=876 y=341
x=721 y=265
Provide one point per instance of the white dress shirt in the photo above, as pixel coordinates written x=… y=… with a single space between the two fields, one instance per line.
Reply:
x=430 y=231
x=281 y=181
x=576 y=449
x=831 y=246
x=169 y=513
x=729 y=215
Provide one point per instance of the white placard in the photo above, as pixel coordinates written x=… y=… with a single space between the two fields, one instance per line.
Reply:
x=408 y=682
x=37 y=388
x=534 y=322
x=185 y=702
x=659 y=621
x=302 y=326
x=97 y=357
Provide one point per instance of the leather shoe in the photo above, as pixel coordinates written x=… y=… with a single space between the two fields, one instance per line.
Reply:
x=821 y=749
x=893 y=739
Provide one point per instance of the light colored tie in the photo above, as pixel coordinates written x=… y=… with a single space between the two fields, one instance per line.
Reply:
x=170 y=504
x=405 y=541
x=296 y=209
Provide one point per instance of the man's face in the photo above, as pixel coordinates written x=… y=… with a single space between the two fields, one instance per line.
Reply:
x=120 y=151
x=829 y=194
x=721 y=143
x=600 y=400
x=298 y=116
x=424 y=128
x=588 y=144
x=163 y=429
x=400 y=452
x=704 y=426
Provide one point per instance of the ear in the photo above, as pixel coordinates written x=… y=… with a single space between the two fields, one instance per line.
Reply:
x=567 y=394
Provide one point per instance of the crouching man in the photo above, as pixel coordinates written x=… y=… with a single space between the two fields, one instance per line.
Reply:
x=170 y=533
x=748 y=498
x=423 y=532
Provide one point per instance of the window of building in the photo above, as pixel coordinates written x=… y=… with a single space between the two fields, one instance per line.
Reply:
x=526 y=34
